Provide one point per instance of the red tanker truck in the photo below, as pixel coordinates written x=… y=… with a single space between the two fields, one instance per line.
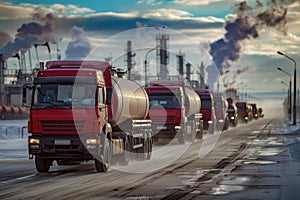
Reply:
x=221 y=106
x=174 y=110
x=232 y=113
x=79 y=112
x=244 y=111
x=207 y=109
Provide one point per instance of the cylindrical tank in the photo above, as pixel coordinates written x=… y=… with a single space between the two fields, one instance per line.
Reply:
x=129 y=101
x=192 y=102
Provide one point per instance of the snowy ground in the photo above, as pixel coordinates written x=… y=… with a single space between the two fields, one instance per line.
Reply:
x=13 y=145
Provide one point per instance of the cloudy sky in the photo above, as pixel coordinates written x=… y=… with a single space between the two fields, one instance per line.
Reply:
x=206 y=31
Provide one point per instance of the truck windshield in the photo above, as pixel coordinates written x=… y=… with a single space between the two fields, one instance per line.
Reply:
x=241 y=107
x=206 y=104
x=165 y=101
x=63 y=96
x=219 y=105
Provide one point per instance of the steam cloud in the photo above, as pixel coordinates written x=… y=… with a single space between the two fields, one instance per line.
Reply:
x=79 y=47
x=4 y=39
x=31 y=33
x=247 y=25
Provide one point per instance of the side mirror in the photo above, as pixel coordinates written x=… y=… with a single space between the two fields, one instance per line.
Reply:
x=27 y=95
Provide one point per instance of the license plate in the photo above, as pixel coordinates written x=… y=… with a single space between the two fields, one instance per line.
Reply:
x=161 y=127
x=62 y=142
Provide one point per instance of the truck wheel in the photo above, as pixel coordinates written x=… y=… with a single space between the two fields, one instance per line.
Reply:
x=149 y=155
x=180 y=137
x=123 y=158
x=211 y=128
x=103 y=164
x=42 y=164
x=143 y=151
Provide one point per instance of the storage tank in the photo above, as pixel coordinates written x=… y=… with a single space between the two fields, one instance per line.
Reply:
x=129 y=101
x=192 y=102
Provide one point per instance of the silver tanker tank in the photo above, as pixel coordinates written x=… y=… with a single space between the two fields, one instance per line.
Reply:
x=129 y=101
x=192 y=101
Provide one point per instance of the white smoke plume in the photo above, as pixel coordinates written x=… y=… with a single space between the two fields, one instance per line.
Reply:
x=79 y=47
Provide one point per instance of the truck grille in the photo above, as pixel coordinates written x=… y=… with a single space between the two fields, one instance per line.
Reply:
x=162 y=119
x=69 y=126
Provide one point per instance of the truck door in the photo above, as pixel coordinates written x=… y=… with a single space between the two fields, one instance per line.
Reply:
x=102 y=109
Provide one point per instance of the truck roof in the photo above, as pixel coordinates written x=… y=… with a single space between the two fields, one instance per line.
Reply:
x=77 y=63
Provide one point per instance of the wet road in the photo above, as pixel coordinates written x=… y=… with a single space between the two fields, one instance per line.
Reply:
x=248 y=161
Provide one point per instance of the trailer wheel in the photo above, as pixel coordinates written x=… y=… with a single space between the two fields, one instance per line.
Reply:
x=123 y=158
x=142 y=152
x=180 y=137
x=103 y=164
x=149 y=155
x=42 y=164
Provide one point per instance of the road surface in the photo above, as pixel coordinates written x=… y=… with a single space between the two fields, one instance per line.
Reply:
x=252 y=161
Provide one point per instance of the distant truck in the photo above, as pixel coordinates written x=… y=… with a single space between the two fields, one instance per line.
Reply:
x=174 y=111
x=207 y=109
x=221 y=106
x=254 y=110
x=80 y=111
x=232 y=113
x=244 y=111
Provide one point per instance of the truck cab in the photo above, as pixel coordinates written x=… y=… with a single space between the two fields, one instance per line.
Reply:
x=207 y=109
x=174 y=111
x=221 y=106
x=167 y=111
x=244 y=111
x=232 y=113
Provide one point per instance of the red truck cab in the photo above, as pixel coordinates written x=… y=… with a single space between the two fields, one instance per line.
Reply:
x=207 y=109
x=167 y=111
x=244 y=111
x=221 y=106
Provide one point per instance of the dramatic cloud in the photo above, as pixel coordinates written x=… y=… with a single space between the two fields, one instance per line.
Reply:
x=79 y=47
x=195 y=2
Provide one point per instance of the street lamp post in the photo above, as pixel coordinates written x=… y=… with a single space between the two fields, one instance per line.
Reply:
x=146 y=64
x=295 y=85
x=290 y=92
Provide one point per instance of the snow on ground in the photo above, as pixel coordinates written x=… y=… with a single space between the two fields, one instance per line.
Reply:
x=13 y=145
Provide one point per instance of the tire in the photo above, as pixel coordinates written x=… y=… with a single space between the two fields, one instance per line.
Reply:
x=180 y=137
x=103 y=164
x=149 y=154
x=143 y=151
x=124 y=158
x=42 y=165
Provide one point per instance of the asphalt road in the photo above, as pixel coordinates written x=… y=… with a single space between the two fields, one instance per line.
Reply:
x=246 y=162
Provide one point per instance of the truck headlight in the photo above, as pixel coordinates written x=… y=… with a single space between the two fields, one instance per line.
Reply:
x=34 y=143
x=92 y=141
x=178 y=127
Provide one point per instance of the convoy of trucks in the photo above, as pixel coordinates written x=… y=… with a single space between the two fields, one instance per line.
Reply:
x=86 y=110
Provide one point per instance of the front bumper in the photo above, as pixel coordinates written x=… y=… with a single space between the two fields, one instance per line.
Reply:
x=63 y=147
